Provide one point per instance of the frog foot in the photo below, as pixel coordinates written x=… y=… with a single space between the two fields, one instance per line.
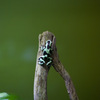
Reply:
x=49 y=64
x=41 y=60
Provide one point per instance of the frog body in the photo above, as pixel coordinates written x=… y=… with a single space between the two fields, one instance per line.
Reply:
x=47 y=51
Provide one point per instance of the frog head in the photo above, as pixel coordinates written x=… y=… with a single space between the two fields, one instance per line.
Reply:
x=48 y=44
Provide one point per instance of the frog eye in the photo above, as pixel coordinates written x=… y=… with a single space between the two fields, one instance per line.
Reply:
x=48 y=41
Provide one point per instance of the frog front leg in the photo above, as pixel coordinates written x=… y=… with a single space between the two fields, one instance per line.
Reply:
x=42 y=48
x=41 y=60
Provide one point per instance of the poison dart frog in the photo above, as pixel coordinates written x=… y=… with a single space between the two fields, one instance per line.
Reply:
x=47 y=51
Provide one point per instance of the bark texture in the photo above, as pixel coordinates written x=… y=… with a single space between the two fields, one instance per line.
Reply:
x=41 y=72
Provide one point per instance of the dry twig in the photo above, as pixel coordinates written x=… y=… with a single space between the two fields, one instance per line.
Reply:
x=41 y=72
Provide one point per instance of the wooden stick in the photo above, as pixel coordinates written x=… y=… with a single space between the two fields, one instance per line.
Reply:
x=41 y=72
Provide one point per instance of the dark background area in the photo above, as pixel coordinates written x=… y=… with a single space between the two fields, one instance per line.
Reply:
x=76 y=25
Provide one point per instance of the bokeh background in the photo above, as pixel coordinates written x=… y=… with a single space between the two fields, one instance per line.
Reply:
x=76 y=25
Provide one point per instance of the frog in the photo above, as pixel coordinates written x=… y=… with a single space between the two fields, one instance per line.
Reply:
x=47 y=51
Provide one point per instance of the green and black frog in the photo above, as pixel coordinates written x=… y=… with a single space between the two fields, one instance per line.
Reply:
x=47 y=51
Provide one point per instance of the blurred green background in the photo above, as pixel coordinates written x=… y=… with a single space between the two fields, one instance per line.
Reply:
x=76 y=25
